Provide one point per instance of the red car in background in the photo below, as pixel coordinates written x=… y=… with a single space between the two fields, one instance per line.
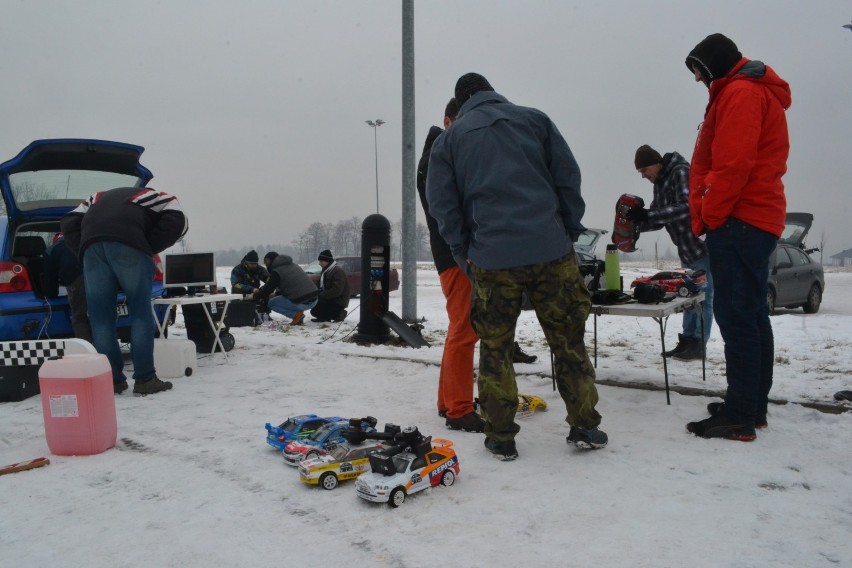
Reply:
x=352 y=266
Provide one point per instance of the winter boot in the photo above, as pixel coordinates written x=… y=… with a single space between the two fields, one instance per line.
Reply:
x=470 y=422
x=720 y=426
x=681 y=345
x=715 y=408
x=504 y=451
x=151 y=386
x=520 y=357
x=692 y=350
x=588 y=439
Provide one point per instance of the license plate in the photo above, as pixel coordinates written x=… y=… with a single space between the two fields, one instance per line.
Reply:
x=121 y=309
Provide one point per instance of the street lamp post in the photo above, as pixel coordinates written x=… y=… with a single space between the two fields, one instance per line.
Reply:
x=375 y=126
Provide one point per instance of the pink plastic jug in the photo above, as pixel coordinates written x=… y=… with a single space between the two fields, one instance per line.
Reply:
x=79 y=405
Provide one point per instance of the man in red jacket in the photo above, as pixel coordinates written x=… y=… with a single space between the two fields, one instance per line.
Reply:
x=736 y=198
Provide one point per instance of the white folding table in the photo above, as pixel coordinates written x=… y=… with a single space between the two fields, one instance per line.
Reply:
x=211 y=299
x=660 y=313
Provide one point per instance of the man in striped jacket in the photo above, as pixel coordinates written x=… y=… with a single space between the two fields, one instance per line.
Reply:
x=115 y=233
x=670 y=209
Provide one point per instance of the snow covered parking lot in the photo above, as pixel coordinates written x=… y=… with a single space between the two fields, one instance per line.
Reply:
x=193 y=483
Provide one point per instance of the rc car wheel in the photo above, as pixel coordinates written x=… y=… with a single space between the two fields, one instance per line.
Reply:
x=311 y=455
x=814 y=300
x=683 y=291
x=770 y=300
x=328 y=481
x=449 y=478
x=397 y=497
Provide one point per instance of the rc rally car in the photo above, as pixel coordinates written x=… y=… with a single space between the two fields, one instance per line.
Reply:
x=529 y=405
x=324 y=439
x=414 y=465
x=296 y=427
x=346 y=461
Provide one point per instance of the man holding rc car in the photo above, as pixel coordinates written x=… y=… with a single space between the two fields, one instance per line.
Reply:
x=669 y=175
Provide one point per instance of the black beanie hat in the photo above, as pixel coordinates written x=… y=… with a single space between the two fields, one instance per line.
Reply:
x=646 y=156
x=251 y=256
x=470 y=84
x=326 y=256
x=714 y=56
x=270 y=255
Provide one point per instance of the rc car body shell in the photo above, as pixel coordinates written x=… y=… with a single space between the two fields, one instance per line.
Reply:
x=439 y=465
x=296 y=427
x=346 y=461
x=321 y=441
x=676 y=281
x=529 y=405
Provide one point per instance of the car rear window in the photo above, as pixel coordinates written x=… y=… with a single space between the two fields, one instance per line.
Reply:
x=63 y=188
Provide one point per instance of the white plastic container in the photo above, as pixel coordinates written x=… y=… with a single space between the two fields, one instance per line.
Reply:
x=78 y=403
x=174 y=358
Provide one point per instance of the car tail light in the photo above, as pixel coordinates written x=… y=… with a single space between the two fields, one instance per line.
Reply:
x=14 y=278
x=158 y=265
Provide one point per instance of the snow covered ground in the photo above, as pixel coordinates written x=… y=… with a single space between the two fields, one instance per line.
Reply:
x=193 y=483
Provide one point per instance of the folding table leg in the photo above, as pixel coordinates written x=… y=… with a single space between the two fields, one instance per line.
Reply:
x=665 y=364
x=703 y=344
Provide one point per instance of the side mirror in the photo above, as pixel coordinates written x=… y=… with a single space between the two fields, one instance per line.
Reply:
x=783 y=265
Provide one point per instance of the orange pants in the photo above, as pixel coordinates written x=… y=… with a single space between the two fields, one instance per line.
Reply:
x=455 y=383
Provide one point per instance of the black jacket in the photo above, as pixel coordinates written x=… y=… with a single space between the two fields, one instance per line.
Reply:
x=441 y=253
x=141 y=218
x=61 y=268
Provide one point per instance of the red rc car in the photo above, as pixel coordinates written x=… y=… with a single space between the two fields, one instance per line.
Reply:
x=681 y=281
x=624 y=231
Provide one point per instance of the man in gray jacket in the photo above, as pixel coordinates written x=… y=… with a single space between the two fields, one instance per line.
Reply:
x=505 y=190
x=294 y=292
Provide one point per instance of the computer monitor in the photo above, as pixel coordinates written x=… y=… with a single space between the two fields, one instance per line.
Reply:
x=189 y=269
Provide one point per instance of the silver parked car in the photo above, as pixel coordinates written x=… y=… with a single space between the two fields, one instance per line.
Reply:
x=795 y=278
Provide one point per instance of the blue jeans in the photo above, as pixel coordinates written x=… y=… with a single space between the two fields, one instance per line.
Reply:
x=283 y=306
x=108 y=266
x=691 y=318
x=739 y=260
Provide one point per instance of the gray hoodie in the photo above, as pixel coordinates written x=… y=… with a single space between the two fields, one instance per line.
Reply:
x=290 y=281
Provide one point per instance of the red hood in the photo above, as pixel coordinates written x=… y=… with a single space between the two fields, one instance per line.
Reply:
x=757 y=72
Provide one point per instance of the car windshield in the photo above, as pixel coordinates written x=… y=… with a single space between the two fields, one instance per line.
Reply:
x=63 y=188
x=321 y=432
x=340 y=452
x=401 y=461
x=314 y=268
x=587 y=239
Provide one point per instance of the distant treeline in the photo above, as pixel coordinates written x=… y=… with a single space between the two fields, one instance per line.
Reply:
x=343 y=238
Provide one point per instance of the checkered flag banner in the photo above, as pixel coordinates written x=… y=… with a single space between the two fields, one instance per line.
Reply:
x=20 y=353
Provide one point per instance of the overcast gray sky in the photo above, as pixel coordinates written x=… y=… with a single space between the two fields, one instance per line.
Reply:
x=252 y=112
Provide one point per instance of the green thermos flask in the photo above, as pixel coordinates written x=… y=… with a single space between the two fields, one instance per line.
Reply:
x=612 y=268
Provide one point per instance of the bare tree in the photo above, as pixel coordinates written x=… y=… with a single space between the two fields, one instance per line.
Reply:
x=27 y=191
x=422 y=236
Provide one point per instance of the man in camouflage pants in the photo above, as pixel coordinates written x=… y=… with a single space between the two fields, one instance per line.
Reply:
x=505 y=190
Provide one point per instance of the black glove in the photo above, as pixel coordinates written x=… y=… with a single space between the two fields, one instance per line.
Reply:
x=637 y=214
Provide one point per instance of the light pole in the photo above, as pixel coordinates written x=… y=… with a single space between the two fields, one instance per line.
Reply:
x=375 y=126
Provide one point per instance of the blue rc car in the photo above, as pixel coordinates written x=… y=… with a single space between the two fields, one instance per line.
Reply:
x=294 y=428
